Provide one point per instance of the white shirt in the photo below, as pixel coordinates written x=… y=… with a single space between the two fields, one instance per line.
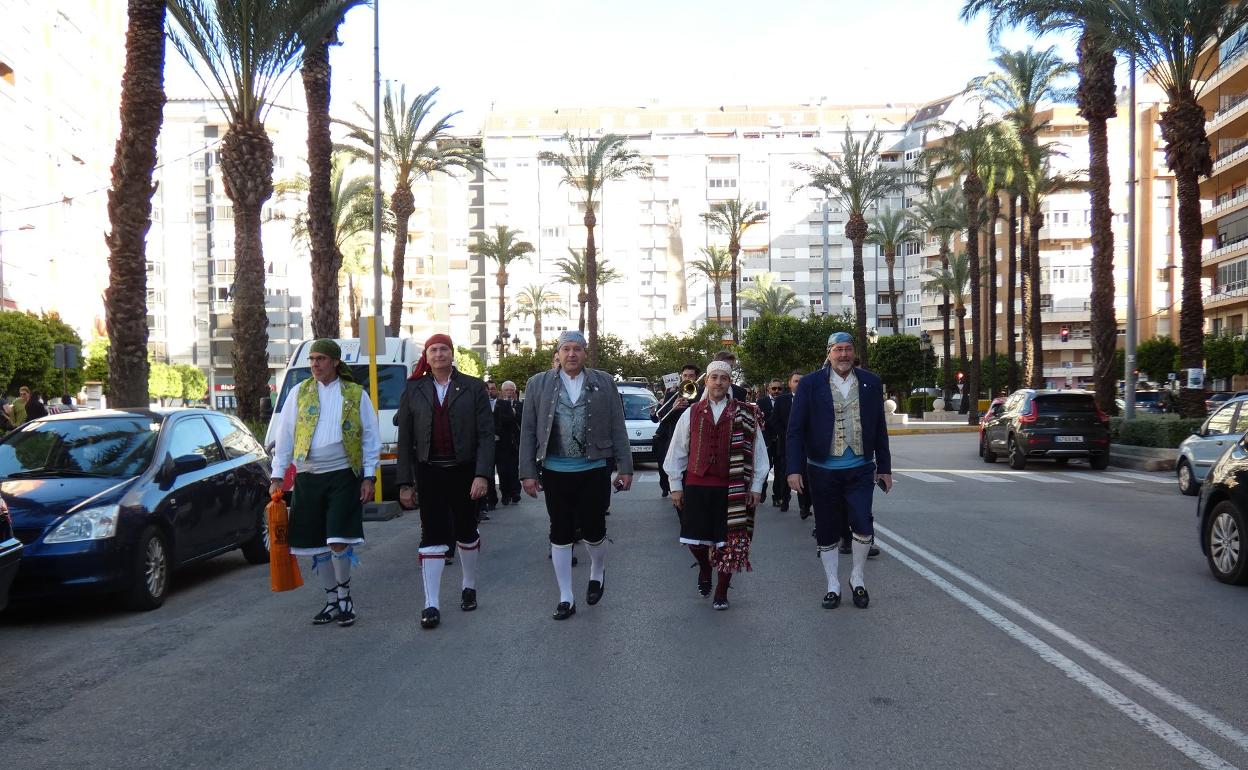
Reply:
x=441 y=389
x=573 y=385
x=843 y=383
x=677 y=459
x=327 y=452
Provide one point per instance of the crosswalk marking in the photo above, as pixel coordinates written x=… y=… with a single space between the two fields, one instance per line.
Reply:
x=1145 y=477
x=920 y=476
x=1044 y=478
x=988 y=477
x=1099 y=478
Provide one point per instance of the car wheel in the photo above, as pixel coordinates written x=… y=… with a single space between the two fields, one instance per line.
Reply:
x=1187 y=480
x=1018 y=460
x=989 y=456
x=1099 y=462
x=150 y=572
x=1224 y=535
x=256 y=550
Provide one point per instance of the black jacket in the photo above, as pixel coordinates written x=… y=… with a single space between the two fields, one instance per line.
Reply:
x=778 y=424
x=506 y=428
x=472 y=425
x=767 y=408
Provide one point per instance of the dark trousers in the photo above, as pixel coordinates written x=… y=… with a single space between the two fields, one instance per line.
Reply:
x=447 y=511
x=786 y=494
x=508 y=465
x=839 y=495
x=577 y=502
x=775 y=473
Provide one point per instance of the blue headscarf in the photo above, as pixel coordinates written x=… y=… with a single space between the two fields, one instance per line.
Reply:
x=572 y=335
x=838 y=338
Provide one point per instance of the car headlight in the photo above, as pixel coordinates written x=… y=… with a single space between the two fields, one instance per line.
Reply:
x=88 y=524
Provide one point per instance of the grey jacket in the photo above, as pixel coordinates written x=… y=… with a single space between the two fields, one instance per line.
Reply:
x=606 y=435
x=472 y=425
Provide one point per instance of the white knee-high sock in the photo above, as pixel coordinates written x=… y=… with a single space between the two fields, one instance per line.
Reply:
x=561 y=558
x=431 y=570
x=860 y=560
x=469 y=553
x=342 y=571
x=597 y=559
x=831 y=559
x=320 y=564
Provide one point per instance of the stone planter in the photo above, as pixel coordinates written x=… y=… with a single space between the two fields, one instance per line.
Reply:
x=1142 y=458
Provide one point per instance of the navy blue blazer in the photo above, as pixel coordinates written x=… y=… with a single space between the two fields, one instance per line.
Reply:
x=812 y=422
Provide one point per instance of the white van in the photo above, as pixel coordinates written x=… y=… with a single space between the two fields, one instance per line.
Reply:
x=639 y=403
x=394 y=366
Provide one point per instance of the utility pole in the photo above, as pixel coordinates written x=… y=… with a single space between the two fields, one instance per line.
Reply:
x=1129 y=378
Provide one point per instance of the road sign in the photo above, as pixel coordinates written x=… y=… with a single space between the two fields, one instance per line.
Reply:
x=65 y=356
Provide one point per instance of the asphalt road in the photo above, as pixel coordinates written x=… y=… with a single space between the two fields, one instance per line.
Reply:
x=1056 y=618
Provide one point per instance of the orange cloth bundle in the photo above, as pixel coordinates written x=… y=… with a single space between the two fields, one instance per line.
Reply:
x=283 y=567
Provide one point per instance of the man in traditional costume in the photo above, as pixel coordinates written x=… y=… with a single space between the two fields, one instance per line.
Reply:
x=838 y=435
x=573 y=424
x=446 y=449
x=328 y=428
x=717 y=462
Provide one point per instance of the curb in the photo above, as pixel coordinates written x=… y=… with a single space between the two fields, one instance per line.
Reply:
x=1142 y=458
x=915 y=431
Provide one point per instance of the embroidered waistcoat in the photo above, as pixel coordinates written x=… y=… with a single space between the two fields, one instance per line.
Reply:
x=710 y=442
x=308 y=403
x=567 y=434
x=848 y=433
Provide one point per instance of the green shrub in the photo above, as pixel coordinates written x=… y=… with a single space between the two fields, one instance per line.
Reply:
x=1159 y=431
x=919 y=402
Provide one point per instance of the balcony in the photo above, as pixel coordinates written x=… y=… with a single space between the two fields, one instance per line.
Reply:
x=1228 y=206
x=1074 y=370
x=1235 y=248
x=1232 y=293
x=1226 y=70
x=1235 y=108
x=1054 y=342
x=1229 y=158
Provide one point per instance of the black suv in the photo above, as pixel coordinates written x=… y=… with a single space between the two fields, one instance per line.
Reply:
x=1047 y=424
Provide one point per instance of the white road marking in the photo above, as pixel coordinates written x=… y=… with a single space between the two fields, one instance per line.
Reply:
x=1162 y=479
x=1097 y=686
x=1211 y=722
x=1098 y=478
x=1043 y=478
x=920 y=476
x=988 y=477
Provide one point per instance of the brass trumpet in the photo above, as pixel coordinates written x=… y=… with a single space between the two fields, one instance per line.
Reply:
x=689 y=389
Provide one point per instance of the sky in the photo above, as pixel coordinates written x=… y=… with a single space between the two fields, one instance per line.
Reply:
x=553 y=53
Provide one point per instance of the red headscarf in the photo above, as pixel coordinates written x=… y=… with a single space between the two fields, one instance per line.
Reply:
x=422 y=366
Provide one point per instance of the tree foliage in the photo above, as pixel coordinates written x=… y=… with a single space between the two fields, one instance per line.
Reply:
x=96 y=358
x=777 y=345
x=898 y=360
x=1155 y=357
x=468 y=362
x=194 y=383
x=62 y=333
x=163 y=382
x=25 y=351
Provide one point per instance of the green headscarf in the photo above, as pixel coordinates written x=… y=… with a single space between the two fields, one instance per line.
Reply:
x=328 y=347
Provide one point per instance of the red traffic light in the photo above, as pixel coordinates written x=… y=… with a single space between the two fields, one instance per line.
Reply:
x=1065 y=334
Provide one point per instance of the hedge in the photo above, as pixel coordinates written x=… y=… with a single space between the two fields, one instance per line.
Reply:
x=925 y=402
x=1165 y=431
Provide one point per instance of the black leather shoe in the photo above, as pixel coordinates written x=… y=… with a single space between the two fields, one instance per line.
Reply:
x=663 y=493
x=874 y=552
x=484 y=516
x=468 y=600
x=704 y=588
x=846 y=547
x=831 y=600
x=784 y=507
x=719 y=604
x=805 y=513
x=564 y=611
x=504 y=501
x=775 y=502
x=593 y=594
x=861 y=599
x=515 y=498
x=430 y=618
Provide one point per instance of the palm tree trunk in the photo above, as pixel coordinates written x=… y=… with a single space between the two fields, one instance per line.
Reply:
x=856 y=231
x=537 y=330
x=994 y=213
x=247 y=173
x=973 y=190
x=719 y=302
x=502 y=301
x=734 y=250
x=964 y=406
x=1183 y=129
x=353 y=304
x=326 y=259
x=946 y=321
x=581 y=299
x=402 y=203
x=890 y=259
x=591 y=282
x=1024 y=269
x=1011 y=347
x=130 y=203
x=1037 y=327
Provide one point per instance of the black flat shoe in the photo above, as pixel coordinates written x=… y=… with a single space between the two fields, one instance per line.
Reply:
x=704 y=588
x=484 y=516
x=831 y=600
x=719 y=604
x=663 y=493
x=564 y=611
x=846 y=547
x=805 y=513
x=861 y=599
x=468 y=600
x=784 y=507
x=874 y=552
x=330 y=612
x=593 y=594
x=430 y=618
x=346 y=612
x=515 y=499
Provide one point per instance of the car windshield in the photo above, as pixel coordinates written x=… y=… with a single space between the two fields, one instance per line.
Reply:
x=391 y=380
x=115 y=447
x=1065 y=404
x=637 y=405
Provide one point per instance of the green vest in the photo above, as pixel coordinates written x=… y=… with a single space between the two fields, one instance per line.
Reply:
x=308 y=402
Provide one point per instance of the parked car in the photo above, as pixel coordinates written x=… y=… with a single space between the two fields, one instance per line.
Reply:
x=10 y=554
x=114 y=501
x=1201 y=450
x=1220 y=515
x=638 y=405
x=994 y=410
x=1221 y=397
x=1048 y=424
x=1152 y=401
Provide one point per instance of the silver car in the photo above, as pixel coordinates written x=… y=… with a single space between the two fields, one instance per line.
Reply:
x=1199 y=451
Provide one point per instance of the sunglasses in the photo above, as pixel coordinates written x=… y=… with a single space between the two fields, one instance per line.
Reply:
x=774 y=390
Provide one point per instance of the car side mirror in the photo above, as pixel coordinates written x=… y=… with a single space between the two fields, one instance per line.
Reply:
x=171 y=468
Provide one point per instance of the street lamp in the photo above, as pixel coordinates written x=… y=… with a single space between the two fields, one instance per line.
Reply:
x=515 y=342
x=498 y=348
x=872 y=335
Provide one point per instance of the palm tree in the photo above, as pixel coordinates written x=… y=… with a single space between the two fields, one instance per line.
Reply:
x=767 y=298
x=326 y=256
x=967 y=152
x=354 y=267
x=937 y=216
x=414 y=146
x=503 y=248
x=715 y=267
x=953 y=281
x=130 y=202
x=890 y=230
x=573 y=273
x=1171 y=40
x=538 y=301
x=587 y=166
x=1097 y=98
x=855 y=179
x=244 y=52
x=733 y=218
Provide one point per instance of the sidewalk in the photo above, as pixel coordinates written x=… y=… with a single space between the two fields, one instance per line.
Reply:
x=920 y=427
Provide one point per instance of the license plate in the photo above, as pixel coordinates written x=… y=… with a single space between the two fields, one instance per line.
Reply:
x=1070 y=439
x=641 y=447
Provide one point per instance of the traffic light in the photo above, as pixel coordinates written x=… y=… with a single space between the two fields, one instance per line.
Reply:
x=960 y=376
x=1065 y=334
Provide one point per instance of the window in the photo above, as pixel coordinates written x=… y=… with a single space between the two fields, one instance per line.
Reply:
x=760 y=205
x=552 y=232
x=234 y=438
x=721 y=183
x=1220 y=422
x=192 y=437
x=912 y=321
x=721 y=160
x=546 y=162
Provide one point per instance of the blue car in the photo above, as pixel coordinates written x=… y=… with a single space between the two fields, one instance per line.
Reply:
x=1199 y=451
x=114 y=501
